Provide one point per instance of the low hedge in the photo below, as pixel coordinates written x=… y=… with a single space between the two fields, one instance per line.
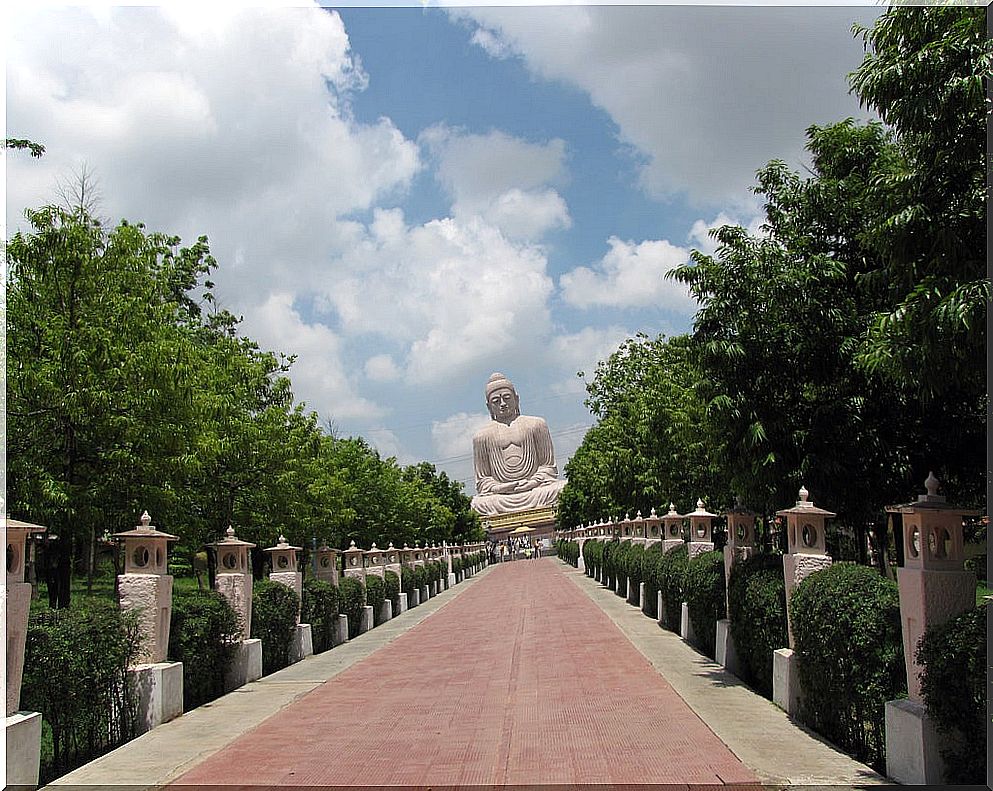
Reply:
x=634 y=562
x=408 y=582
x=670 y=577
x=204 y=633
x=953 y=685
x=619 y=559
x=375 y=595
x=392 y=583
x=457 y=565
x=593 y=555
x=420 y=576
x=319 y=608
x=757 y=603
x=75 y=674
x=849 y=652
x=351 y=602
x=568 y=551
x=274 y=622
x=704 y=591
x=649 y=570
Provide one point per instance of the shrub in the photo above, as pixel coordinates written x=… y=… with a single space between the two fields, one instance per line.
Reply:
x=671 y=571
x=420 y=576
x=849 y=651
x=203 y=634
x=408 y=581
x=705 y=597
x=274 y=618
x=757 y=604
x=649 y=572
x=75 y=674
x=392 y=589
x=375 y=595
x=594 y=563
x=977 y=565
x=319 y=608
x=619 y=558
x=351 y=601
x=634 y=560
x=953 y=685
x=457 y=565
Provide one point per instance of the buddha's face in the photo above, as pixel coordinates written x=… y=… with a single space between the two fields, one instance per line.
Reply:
x=504 y=405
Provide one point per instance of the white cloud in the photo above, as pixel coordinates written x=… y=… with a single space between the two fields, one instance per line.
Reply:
x=319 y=376
x=389 y=444
x=673 y=79
x=630 y=275
x=700 y=238
x=452 y=436
x=381 y=368
x=502 y=179
x=581 y=351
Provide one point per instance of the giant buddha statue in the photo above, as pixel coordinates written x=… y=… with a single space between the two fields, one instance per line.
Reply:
x=513 y=456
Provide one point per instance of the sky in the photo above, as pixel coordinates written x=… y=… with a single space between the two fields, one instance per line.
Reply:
x=411 y=198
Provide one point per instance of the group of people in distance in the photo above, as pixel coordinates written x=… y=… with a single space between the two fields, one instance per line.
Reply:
x=515 y=547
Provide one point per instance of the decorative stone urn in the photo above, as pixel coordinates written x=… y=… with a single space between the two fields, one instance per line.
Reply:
x=672 y=524
x=701 y=530
x=146 y=586
x=934 y=589
x=327 y=565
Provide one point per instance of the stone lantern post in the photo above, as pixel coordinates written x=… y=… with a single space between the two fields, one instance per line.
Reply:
x=145 y=586
x=673 y=529
x=653 y=529
x=286 y=571
x=418 y=555
x=23 y=728
x=934 y=589
x=327 y=565
x=740 y=545
x=375 y=562
x=234 y=582
x=354 y=562
x=701 y=530
x=638 y=529
x=806 y=534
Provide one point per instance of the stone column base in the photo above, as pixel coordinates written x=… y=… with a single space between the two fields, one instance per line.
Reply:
x=786 y=692
x=451 y=580
x=386 y=611
x=913 y=745
x=366 y=623
x=246 y=665
x=403 y=604
x=639 y=602
x=685 y=625
x=159 y=688
x=340 y=631
x=303 y=643
x=425 y=593
x=725 y=654
x=580 y=563
x=659 y=610
x=415 y=597
x=24 y=750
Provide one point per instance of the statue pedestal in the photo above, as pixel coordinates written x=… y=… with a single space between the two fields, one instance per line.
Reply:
x=542 y=522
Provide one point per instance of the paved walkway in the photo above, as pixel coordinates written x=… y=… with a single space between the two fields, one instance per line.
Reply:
x=529 y=673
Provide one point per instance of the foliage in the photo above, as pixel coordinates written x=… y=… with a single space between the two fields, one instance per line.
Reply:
x=457 y=565
x=568 y=551
x=319 y=608
x=204 y=634
x=351 y=601
x=705 y=597
x=953 y=686
x=649 y=565
x=669 y=580
x=420 y=577
x=392 y=590
x=375 y=595
x=757 y=610
x=274 y=619
x=634 y=560
x=408 y=581
x=75 y=674
x=849 y=652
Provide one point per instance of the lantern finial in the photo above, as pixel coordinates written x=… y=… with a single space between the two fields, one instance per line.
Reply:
x=804 y=494
x=146 y=520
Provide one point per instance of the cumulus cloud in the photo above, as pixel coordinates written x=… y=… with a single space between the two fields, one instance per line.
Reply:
x=389 y=444
x=502 y=179
x=701 y=239
x=630 y=275
x=319 y=376
x=381 y=368
x=581 y=351
x=672 y=78
x=468 y=293
x=452 y=436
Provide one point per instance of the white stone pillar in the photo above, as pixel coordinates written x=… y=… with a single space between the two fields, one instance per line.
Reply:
x=286 y=571
x=234 y=582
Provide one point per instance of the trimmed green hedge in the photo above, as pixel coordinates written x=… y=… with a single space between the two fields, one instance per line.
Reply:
x=849 y=652
x=75 y=674
x=351 y=601
x=408 y=581
x=593 y=556
x=704 y=590
x=670 y=578
x=757 y=602
x=568 y=551
x=420 y=576
x=375 y=595
x=203 y=634
x=953 y=685
x=634 y=560
x=392 y=583
x=649 y=565
x=274 y=619
x=319 y=608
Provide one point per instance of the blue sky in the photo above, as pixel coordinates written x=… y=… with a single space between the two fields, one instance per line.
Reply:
x=411 y=198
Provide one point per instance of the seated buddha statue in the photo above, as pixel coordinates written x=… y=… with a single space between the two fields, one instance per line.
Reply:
x=513 y=456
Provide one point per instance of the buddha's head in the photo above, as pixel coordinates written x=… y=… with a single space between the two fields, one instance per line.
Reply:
x=502 y=399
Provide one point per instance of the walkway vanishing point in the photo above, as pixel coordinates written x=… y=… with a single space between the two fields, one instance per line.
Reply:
x=528 y=673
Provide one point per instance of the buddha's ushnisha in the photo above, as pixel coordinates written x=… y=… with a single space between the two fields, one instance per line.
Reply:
x=513 y=456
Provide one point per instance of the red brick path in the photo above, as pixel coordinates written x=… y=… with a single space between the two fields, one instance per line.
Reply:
x=519 y=680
